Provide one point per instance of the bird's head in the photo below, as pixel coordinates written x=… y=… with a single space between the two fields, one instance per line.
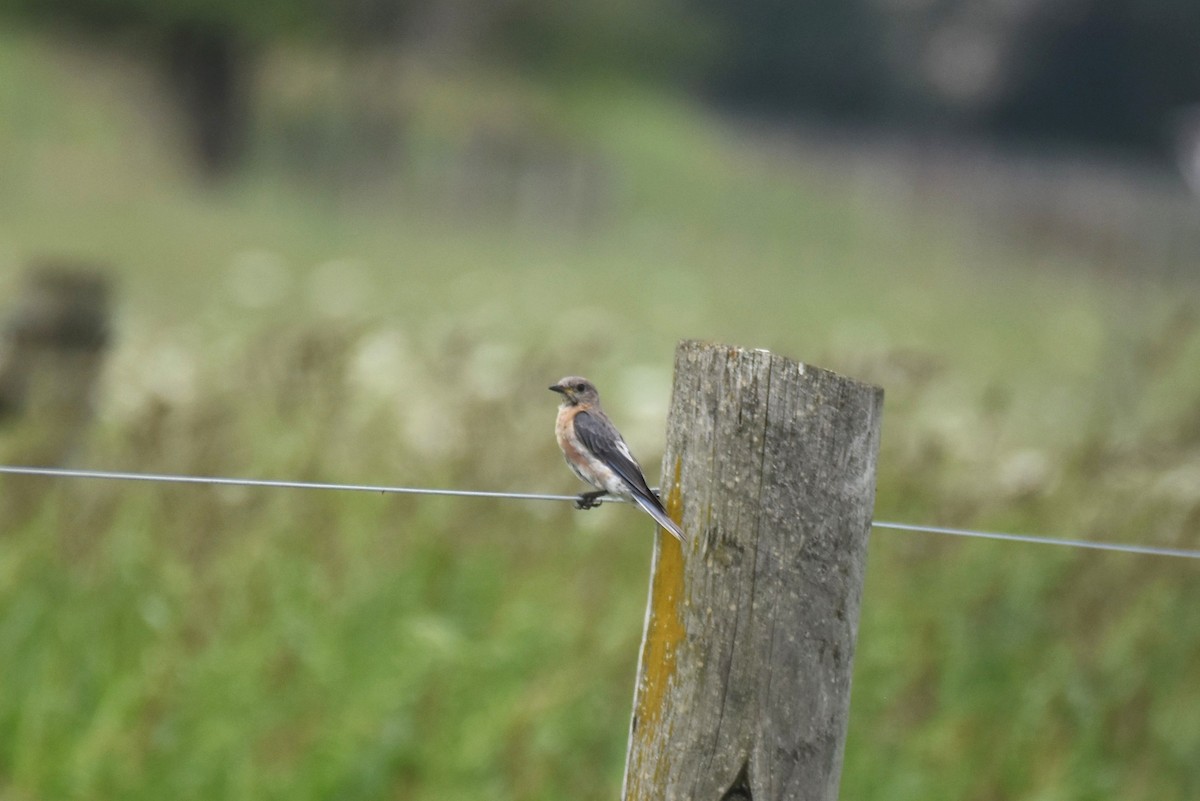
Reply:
x=576 y=390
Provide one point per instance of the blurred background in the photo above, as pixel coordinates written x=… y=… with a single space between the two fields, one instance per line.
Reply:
x=354 y=241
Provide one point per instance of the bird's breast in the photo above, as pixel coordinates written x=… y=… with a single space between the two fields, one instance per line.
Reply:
x=581 y=461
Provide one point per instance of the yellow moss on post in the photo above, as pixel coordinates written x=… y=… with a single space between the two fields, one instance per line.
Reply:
x=664 y=630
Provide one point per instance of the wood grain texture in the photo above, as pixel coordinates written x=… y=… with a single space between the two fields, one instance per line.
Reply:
x=743 y=687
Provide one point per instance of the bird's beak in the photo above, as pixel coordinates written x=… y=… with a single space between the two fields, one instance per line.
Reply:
x=559 y=388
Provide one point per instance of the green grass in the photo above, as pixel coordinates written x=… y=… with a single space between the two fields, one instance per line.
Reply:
x=208 y=643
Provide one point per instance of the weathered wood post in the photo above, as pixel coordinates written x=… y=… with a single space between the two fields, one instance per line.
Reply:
x=743 y=687
x=52 y=345
x=53 y=340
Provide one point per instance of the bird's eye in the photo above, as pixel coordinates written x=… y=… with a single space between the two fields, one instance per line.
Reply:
x=580 y=387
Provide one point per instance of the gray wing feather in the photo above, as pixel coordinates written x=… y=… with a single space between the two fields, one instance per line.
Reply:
x=601 y=437
x=656 y=511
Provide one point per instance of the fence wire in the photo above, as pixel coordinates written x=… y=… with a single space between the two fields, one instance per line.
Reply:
x=55 y=472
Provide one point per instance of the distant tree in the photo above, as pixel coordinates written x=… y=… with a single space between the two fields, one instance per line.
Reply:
x=650 y=39
x=1102 y=71
x=1110 y=71
x=205 y=48
x=826 y=56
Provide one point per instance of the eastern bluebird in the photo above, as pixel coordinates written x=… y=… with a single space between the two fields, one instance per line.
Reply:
x=595 y=451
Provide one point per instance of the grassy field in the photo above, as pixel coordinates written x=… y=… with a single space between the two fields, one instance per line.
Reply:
x=199 y=643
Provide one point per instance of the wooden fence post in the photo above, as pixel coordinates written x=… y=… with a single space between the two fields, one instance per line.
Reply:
x=53 y=339
x=743 y=685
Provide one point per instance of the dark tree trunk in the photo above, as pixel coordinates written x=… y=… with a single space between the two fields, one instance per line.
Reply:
x=207 y=65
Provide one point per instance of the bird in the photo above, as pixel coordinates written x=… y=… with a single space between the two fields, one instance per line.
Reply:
x=597 y=453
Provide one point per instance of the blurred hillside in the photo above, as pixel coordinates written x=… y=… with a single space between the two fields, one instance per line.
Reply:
x=408 y=246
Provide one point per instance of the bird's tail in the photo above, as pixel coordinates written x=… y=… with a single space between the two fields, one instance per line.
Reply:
x=655 y=510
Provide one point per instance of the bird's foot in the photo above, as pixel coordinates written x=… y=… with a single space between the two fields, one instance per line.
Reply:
x=589 y=500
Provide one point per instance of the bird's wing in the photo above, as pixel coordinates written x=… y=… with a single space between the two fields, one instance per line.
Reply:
x=600 y=436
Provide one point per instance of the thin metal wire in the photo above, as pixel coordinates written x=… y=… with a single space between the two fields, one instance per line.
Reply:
x=256 y=482
x=1151 y=550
